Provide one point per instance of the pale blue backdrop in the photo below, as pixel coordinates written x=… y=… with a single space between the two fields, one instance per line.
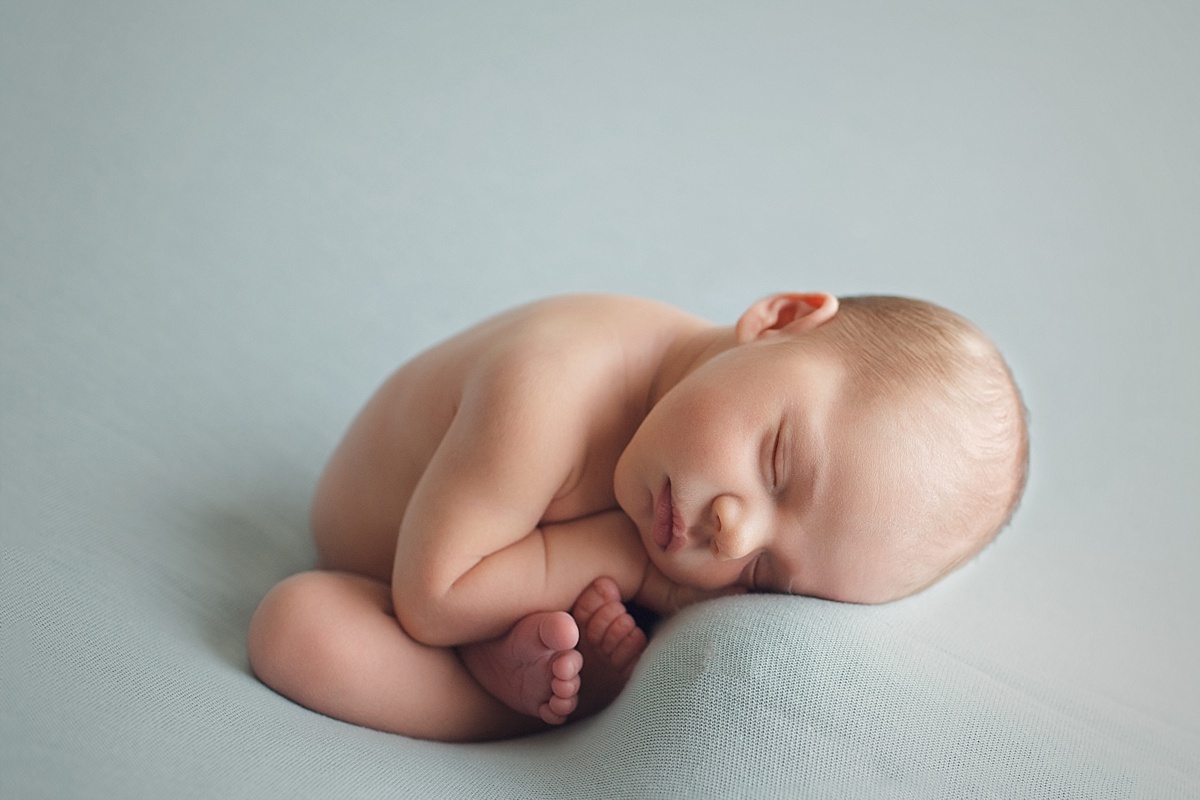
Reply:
x=222 y=224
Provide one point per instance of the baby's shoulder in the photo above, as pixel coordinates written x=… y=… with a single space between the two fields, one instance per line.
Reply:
x=567 y=327
x=566 y=345
x=579 y=312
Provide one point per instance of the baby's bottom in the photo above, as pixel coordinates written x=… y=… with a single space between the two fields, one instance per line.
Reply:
x=330 y=641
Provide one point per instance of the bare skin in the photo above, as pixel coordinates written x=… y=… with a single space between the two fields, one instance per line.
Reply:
x=535 y=668
x=611 y=643
x=475 y=490
x=494 y=480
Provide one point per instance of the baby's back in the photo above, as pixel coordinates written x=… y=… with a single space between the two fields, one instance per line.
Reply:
x=590 y=354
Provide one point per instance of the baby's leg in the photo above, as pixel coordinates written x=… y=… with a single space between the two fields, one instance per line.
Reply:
x=331 y=642
x=534 y=668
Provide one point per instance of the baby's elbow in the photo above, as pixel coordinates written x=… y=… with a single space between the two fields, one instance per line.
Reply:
x=423 y=614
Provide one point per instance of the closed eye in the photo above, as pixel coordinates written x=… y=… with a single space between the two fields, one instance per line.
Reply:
x=757 y=576
x=775 y=454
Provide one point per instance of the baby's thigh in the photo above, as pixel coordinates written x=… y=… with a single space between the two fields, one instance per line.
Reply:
x=364 y=491
x=358 y=506
x=367 y=551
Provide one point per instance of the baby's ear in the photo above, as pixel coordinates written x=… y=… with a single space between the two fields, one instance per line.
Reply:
x=785 y=313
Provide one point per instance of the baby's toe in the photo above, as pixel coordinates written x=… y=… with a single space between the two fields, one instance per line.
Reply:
x=607 y=588
x=598 y=594
x=566 y=666
x=567 y=688
x=620 y=628
x=626 y=653
x=561 y=707
x=600 y=623
x=558 y=631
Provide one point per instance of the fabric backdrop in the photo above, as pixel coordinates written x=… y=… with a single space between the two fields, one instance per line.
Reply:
x=222 y=224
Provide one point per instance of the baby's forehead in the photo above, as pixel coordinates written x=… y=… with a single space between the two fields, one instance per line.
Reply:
x=872 y=381
x=893 y=462
x=805 y=362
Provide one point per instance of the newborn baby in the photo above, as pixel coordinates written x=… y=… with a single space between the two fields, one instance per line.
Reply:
x=504 y=494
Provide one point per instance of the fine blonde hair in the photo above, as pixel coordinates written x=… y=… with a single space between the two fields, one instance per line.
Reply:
x=900 y=348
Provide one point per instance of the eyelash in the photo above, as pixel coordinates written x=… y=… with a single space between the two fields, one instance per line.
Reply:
x=755 y=578
x=775 y=460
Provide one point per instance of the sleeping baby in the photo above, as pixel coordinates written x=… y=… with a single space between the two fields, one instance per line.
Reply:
x=502 y=496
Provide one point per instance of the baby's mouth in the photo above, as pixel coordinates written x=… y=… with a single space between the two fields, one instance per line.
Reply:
x=668 y=525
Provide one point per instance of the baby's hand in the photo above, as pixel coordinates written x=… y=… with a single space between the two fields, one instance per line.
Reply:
x=663 y=596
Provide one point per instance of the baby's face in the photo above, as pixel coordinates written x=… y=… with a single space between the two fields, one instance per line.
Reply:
x=757 y=470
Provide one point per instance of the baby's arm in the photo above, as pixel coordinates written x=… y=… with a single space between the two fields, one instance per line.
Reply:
x=547 y=569
x=472 y=557
x=661 y=595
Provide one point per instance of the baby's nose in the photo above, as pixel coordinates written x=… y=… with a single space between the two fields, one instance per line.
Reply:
x=732 y=535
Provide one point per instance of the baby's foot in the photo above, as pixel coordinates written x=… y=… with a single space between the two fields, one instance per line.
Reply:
x=611 y=642
x=534 y=668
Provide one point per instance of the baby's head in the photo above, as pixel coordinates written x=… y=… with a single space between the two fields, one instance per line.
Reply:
x=857 y=450
x=937 y=391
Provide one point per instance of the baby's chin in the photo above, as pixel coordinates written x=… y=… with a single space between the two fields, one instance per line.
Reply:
x=694 y=579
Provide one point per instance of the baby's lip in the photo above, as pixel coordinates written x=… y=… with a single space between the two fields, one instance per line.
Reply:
x=668 y=522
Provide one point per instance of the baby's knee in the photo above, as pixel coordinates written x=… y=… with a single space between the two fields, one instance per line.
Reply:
x=293 y=642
